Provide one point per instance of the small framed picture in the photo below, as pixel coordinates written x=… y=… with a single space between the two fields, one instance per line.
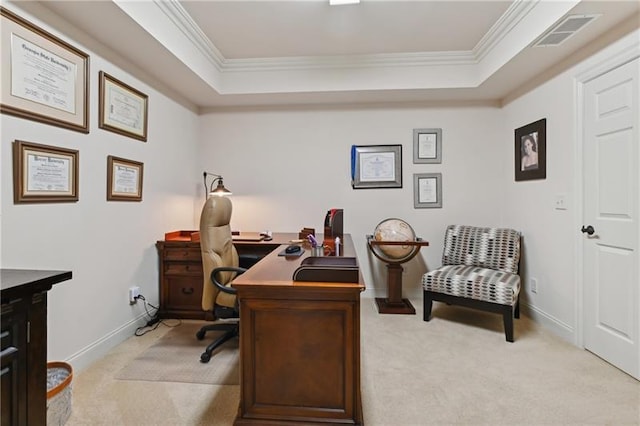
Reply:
x=124 y=179
x=44 y=174
x=376 y=166
x=427 y=190
x=427 y=146
x=122 y=108
x=531 y=151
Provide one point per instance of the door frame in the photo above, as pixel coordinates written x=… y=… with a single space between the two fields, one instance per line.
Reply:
x=621 y=52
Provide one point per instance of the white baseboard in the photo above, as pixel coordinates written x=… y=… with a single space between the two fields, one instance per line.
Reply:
x=554 y=325
x=98 y=349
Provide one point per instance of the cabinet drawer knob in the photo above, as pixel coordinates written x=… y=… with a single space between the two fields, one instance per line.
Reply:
x=187 y=290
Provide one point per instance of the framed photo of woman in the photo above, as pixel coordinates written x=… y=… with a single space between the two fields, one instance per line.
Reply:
x=531 y=151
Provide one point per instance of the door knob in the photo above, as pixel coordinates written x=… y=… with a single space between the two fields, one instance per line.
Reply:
x=589 y=230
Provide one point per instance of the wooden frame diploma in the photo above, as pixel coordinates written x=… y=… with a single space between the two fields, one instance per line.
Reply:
x=43 y=173
x=43 y=78
x=123 y=109
x=124 y=179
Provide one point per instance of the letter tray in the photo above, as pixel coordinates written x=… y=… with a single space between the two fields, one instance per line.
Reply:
x=328 y=269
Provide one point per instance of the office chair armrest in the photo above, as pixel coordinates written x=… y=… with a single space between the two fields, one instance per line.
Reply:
x=221 y=286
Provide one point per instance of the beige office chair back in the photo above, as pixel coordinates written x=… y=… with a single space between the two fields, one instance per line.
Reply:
x=216 y=246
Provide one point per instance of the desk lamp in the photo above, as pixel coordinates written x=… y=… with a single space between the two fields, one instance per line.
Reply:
x=220 y=190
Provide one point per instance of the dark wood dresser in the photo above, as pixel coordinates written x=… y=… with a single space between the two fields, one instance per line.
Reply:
x=23 y=353
x=180 y=263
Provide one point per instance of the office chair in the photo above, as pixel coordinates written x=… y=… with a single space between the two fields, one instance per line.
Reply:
x=220 y=265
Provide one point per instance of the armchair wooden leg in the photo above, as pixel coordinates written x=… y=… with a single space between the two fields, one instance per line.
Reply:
x=427 y=303
x=507 y=318
x=516 y=313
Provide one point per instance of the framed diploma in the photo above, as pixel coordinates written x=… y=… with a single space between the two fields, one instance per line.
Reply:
x=427 y=190
x=122 y=108
x=43 y=78
x=44 y=174
x=427 y=146
x=124 y=179
x=376 y=166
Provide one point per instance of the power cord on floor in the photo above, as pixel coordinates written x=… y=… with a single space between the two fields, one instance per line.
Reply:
x=154 y=321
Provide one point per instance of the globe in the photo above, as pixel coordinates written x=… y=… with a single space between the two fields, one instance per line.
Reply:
x=393 y=230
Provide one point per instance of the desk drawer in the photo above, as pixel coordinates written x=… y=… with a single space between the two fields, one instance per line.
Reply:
x=183 y=268
x=184 y=293
x=182 y=254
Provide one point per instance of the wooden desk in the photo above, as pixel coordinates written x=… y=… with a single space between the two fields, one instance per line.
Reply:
x=180 y=277
x=299 y=345
x=24 y=344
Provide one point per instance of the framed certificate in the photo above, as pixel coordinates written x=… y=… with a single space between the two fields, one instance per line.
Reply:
x=43 y=78
x=44 y=174
x=427 y=146
x=124 y=179
x=122 y=108
x=376 y=166
x=427 y=190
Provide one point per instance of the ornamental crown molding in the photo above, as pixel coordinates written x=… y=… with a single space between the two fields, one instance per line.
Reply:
x=181 y=19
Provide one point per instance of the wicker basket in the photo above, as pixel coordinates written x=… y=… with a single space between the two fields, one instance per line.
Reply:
x=59 y=375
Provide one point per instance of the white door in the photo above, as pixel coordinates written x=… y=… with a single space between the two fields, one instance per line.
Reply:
x=611 y=199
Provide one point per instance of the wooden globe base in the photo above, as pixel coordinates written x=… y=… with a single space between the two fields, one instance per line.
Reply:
x=394 y=303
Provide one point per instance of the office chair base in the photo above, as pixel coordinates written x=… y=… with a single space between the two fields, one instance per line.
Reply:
x=231 y=332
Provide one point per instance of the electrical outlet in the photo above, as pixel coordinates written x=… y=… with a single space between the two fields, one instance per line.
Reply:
x=561 y=202
x=133 y=293
x=533 y=285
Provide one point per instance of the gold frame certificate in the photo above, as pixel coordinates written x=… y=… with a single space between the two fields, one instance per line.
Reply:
x=123 y=109
x=43 y=173
x=43 y=78
x=124 y=179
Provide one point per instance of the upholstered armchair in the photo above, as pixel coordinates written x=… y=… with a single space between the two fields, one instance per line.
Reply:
x=220 y=266
x=479 y=270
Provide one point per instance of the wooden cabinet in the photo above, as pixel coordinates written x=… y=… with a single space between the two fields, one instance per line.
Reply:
x=180 y=280
x=180 y=263
x=23 y=355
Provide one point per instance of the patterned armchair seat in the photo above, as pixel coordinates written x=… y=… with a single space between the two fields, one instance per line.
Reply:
x=479 y=270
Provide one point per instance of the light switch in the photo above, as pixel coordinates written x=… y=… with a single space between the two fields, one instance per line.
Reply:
x=561 y=202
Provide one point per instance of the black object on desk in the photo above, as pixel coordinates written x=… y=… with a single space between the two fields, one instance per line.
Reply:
x=292 y=251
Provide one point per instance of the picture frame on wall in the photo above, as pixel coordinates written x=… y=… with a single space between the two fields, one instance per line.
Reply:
x=427 y=190
x=124 y=179
x=376 y=166
x=44 y=78
x=530 y=149
x=44 y=173
x=122 y=109
x=427 y=146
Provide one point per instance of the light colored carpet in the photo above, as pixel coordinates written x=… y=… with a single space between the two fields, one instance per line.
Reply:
x=175 y=358
x=456 y=369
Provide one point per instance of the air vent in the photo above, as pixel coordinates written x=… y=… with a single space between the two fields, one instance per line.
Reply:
x=564 y=30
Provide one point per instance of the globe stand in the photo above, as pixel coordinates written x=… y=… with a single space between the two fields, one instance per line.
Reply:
x=394 y=303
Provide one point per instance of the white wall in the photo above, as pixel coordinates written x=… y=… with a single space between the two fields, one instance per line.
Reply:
x=551 y=237
x=109 y=246
x=286 y=168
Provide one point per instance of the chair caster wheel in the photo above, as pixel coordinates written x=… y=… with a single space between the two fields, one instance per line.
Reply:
x=205 y=357
x=200 y=335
